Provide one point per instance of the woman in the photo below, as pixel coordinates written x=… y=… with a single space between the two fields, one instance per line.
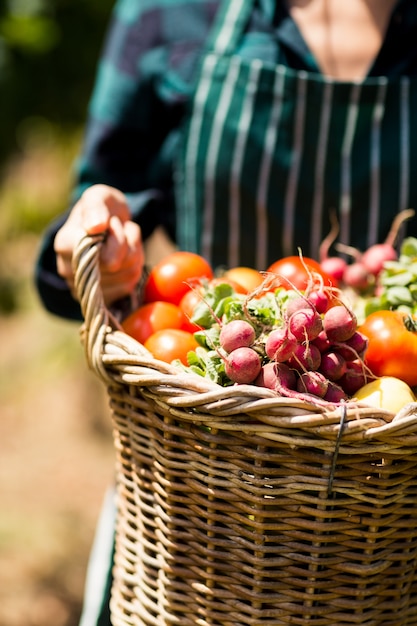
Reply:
x=239 y=126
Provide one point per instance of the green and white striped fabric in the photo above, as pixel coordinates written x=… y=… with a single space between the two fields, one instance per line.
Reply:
x=270 y=151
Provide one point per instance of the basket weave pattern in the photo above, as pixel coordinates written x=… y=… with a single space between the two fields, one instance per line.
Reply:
x=237 y=507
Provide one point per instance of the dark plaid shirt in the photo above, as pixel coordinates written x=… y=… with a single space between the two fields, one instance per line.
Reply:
x=144 y=82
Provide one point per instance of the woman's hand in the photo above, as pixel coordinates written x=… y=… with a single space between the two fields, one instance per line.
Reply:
x=103 y=208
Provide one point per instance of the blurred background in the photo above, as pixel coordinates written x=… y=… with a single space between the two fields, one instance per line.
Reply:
x=56 y=456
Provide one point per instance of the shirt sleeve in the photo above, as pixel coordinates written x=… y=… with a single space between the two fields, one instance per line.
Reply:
x=143 y=83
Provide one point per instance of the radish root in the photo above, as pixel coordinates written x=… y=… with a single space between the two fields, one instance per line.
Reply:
x=396 y=225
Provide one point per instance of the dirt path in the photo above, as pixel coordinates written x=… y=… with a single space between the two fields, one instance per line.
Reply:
x=56 y=462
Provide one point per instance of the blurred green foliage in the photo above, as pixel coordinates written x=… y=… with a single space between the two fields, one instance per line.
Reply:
x=48 y=55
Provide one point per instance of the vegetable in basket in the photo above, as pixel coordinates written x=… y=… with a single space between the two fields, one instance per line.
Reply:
x=304 y=344
x=173 y=276
x=363 y=275
x=386 y=392
x=152 y=317
x=301 y=344
x=397 y=282
x=392 y=345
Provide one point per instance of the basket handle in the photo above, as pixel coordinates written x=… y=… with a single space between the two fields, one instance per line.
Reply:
x=98 y=321
x=104 y=340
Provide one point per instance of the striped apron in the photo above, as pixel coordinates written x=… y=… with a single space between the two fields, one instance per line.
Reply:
x=269 y=152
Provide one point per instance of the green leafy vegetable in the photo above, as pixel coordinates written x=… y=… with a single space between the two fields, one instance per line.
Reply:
x=397 y=287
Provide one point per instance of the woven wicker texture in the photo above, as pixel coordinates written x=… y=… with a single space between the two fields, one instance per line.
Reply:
x=237 y=507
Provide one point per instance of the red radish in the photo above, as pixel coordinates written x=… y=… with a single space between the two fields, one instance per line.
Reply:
x=236 y=334
x=358 y=342
x=339 y=323
x=313 y=382
x=322 y=342
x=335 y=393
x=242 y=365
x=357 y=276
x=333 y=266
x=296 y=304
x=282 y=380
x=304 y=397
x=305 y=324
x=319 y=300
x=354 y=347
x=305 y=358
x=354 y=378
x=276 y=376
x=376 y=256
x=280 y=345
x=332 y=365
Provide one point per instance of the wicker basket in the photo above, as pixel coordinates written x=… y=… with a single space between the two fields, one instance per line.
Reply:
x=236 y=507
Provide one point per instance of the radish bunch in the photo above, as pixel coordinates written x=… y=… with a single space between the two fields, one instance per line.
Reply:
x=323 y=352
x=303 y=345
x=363 y=272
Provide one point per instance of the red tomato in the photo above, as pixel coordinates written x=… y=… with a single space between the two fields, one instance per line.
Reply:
x=153 y=316
x=174 y=275
x=170 y=344
x=188 y=303
x=247 y=277
x=392 y=345
x=293 y=273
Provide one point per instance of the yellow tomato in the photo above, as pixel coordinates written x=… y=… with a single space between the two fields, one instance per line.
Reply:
x=387 y=393
x=247 y=277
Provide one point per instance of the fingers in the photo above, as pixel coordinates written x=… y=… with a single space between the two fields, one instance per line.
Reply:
x=115 y=248
x=122 y=260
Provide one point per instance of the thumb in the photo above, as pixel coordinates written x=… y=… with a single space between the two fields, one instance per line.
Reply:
x=100 y=203
x=96 y=219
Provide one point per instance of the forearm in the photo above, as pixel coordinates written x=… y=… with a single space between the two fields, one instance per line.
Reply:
x=53 y=290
